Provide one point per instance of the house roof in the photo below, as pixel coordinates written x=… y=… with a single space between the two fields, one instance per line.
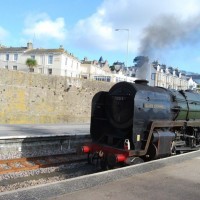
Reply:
x=42 y=51
x=87 y=62
x=196 y=78
x=101 y=59
x=28 y=51
x=12 y=49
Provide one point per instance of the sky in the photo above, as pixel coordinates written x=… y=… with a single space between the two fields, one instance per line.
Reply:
x=167 y=30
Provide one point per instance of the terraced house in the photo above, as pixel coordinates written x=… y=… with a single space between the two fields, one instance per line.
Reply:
x=57 y=62
x=49 y=61
x=163 y=76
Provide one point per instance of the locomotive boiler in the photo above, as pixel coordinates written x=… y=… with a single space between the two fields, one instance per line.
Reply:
x=134 y=122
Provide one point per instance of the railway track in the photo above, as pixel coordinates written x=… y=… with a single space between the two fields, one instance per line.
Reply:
x=24 y=164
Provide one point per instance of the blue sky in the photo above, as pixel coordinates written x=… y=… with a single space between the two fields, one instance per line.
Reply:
x=167 y=31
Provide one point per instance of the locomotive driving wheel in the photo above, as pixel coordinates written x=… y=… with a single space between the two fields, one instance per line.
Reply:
x=152 y=152
x=93 y=158
x=136 y=160
x=104 y=164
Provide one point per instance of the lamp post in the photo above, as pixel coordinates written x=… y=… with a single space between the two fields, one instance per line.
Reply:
x=127 y=47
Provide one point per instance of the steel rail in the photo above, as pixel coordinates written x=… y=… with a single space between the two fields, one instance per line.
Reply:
x=32 y=163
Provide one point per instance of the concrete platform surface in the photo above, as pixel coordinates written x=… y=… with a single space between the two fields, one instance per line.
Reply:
x=176 y=182
x=45 y=130
x=173 y=178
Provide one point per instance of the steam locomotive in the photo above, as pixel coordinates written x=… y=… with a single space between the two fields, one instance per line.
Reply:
x=134 y=122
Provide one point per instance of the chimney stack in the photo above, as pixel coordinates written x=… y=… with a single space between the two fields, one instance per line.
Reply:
x=30 y=45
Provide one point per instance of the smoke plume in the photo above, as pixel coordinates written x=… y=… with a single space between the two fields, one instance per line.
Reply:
x=169 y=32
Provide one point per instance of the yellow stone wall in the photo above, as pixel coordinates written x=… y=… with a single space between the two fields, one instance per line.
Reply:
x=28 y=98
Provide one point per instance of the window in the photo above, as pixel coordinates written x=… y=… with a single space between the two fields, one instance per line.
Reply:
x=65 y=61
x=50 y=71
x=50 y=59
x=15 y=57
x=7 y=56
x=14 y=67
x=33 y=57
x=106 y=78
x=6 y=66
x=153 y=76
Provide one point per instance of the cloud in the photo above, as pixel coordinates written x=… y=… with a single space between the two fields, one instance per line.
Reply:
x=42 y=27
x=98 y=30
x=91 y=31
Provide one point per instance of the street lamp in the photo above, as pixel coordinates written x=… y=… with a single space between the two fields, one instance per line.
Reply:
x=127 y=47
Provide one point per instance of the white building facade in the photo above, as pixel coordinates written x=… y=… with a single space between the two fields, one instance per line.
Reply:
x=162 y=76
x=49 y=61
x=100 y=71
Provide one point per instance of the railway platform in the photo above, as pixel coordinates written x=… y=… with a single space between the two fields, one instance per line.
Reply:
x=32 y=140
x=22 y=131
x=174 y=178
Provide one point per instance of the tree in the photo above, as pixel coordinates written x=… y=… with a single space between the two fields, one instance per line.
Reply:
x=31 y=63
x=112 y=68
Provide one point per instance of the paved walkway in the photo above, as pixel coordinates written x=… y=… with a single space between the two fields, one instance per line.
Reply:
x=38 y=130
x=176 y=182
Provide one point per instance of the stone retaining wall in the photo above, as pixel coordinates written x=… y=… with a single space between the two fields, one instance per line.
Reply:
x=28 y=98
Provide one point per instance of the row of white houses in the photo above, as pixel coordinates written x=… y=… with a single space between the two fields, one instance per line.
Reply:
x=170 y=78
x=62 y=63
x=57 y=62
x=49 y=61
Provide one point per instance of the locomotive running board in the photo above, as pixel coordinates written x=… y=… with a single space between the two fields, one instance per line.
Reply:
x=163 y=124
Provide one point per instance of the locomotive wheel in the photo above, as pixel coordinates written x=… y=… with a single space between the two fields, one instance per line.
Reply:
x=136 y=160
x=104 y=164
x=152 y=152
x=89 y=158
x=93 y=158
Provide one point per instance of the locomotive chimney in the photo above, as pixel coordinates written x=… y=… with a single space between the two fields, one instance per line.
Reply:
x=141 y=82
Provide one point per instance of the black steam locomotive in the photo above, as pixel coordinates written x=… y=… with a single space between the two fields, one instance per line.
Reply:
x=133 y=123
